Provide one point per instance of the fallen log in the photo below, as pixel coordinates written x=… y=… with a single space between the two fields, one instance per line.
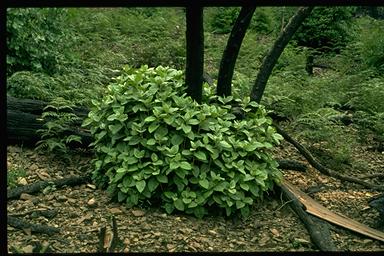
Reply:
x=37 y=228
x=40 y=185
x=314 y=208
x=23 y=121
x=317 y=229
x=285 y=164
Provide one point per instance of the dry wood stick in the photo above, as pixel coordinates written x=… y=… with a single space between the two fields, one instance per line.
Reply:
x=322 y=168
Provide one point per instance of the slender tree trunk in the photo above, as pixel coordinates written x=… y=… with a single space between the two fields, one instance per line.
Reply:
x=275 y=52
x=195 y=51
x=309 y=64
x=231 y=51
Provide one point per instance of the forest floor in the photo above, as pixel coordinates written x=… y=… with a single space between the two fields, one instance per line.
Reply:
x=273 y=226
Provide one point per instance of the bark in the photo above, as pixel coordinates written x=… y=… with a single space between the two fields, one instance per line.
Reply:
x=309 y=64
x=317 y=229
x=37 y=228
x=291 y=165
x=271 y=59
x=23 y=120
x=232 y=49
x=322 y=168
x=40 y=185
x=195 y=52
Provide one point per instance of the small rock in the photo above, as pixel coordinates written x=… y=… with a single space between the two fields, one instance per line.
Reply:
x=22 y=181
x=138 y=213
x=170 y=246
x=34 y=167
x=26 y=197
x=91 y=202
x=43 y=175
x=61 y=198
x=91 y=186
x=301 y=241
x=115 y=211
x=275 y=232
x=213 y=232
x=27 y=249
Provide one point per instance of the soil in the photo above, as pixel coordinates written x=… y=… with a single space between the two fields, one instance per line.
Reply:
x=82 y=210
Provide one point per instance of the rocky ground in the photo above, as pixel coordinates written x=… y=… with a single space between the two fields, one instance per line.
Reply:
x=79 y=212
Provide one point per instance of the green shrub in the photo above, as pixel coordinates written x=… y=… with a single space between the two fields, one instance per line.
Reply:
x=35 y=39
x=223 y=19
x=152 y=142
x=31 y=85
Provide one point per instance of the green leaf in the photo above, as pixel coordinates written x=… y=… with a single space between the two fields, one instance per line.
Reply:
x=162 y=178
x=152 y=184
x=225 y=144
x=169 y=207
x=204 y=183
x=200 y=155
x=244 y=186
x=199 y=212
x=176 y=139
x=245 y=211
x=121 y=196
x=151 y=142
x=185 y=165
x=121 y=170
x=153 y=126
x=179 y=205
x=239 y=204
x=149 y=119
x=140 y=185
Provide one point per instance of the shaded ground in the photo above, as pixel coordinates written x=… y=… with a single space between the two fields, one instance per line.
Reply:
x=272 y=226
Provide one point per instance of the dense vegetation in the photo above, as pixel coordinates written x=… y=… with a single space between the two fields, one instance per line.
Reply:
x=71 y=55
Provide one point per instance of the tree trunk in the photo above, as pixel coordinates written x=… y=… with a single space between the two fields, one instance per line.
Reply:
x=309 y=64
x=195 y=51
x=275 y=52
x=231 y=51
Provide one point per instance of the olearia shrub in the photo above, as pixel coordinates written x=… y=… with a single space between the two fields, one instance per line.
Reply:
x=153 y=143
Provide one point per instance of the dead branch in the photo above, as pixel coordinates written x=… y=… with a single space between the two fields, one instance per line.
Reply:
x=322 y=168
x=317 y=229
x=22 y=224
x=40 y=185
x=373 y=175
x=285 y=164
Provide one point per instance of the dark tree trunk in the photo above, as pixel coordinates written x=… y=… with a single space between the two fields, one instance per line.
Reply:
x=275 y=52
x=23 y=120
x=309 y=64
x=231 y=51
x=195 y=51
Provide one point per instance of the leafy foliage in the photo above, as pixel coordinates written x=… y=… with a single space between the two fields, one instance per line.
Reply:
x=58 y=122
x=327 y=28
x=34 y=37
x=223 y=19
x=152 y=142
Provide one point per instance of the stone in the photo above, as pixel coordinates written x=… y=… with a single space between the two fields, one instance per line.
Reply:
x=26 y=197
x=22 y=181
x=91 y=202
x=138 y=213
x=34 y=167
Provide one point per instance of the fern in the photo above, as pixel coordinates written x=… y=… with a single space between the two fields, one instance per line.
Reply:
x=57 y=124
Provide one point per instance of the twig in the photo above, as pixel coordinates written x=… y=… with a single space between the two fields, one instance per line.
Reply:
x=22 y=224
x=322 y=168
x=40 y=185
